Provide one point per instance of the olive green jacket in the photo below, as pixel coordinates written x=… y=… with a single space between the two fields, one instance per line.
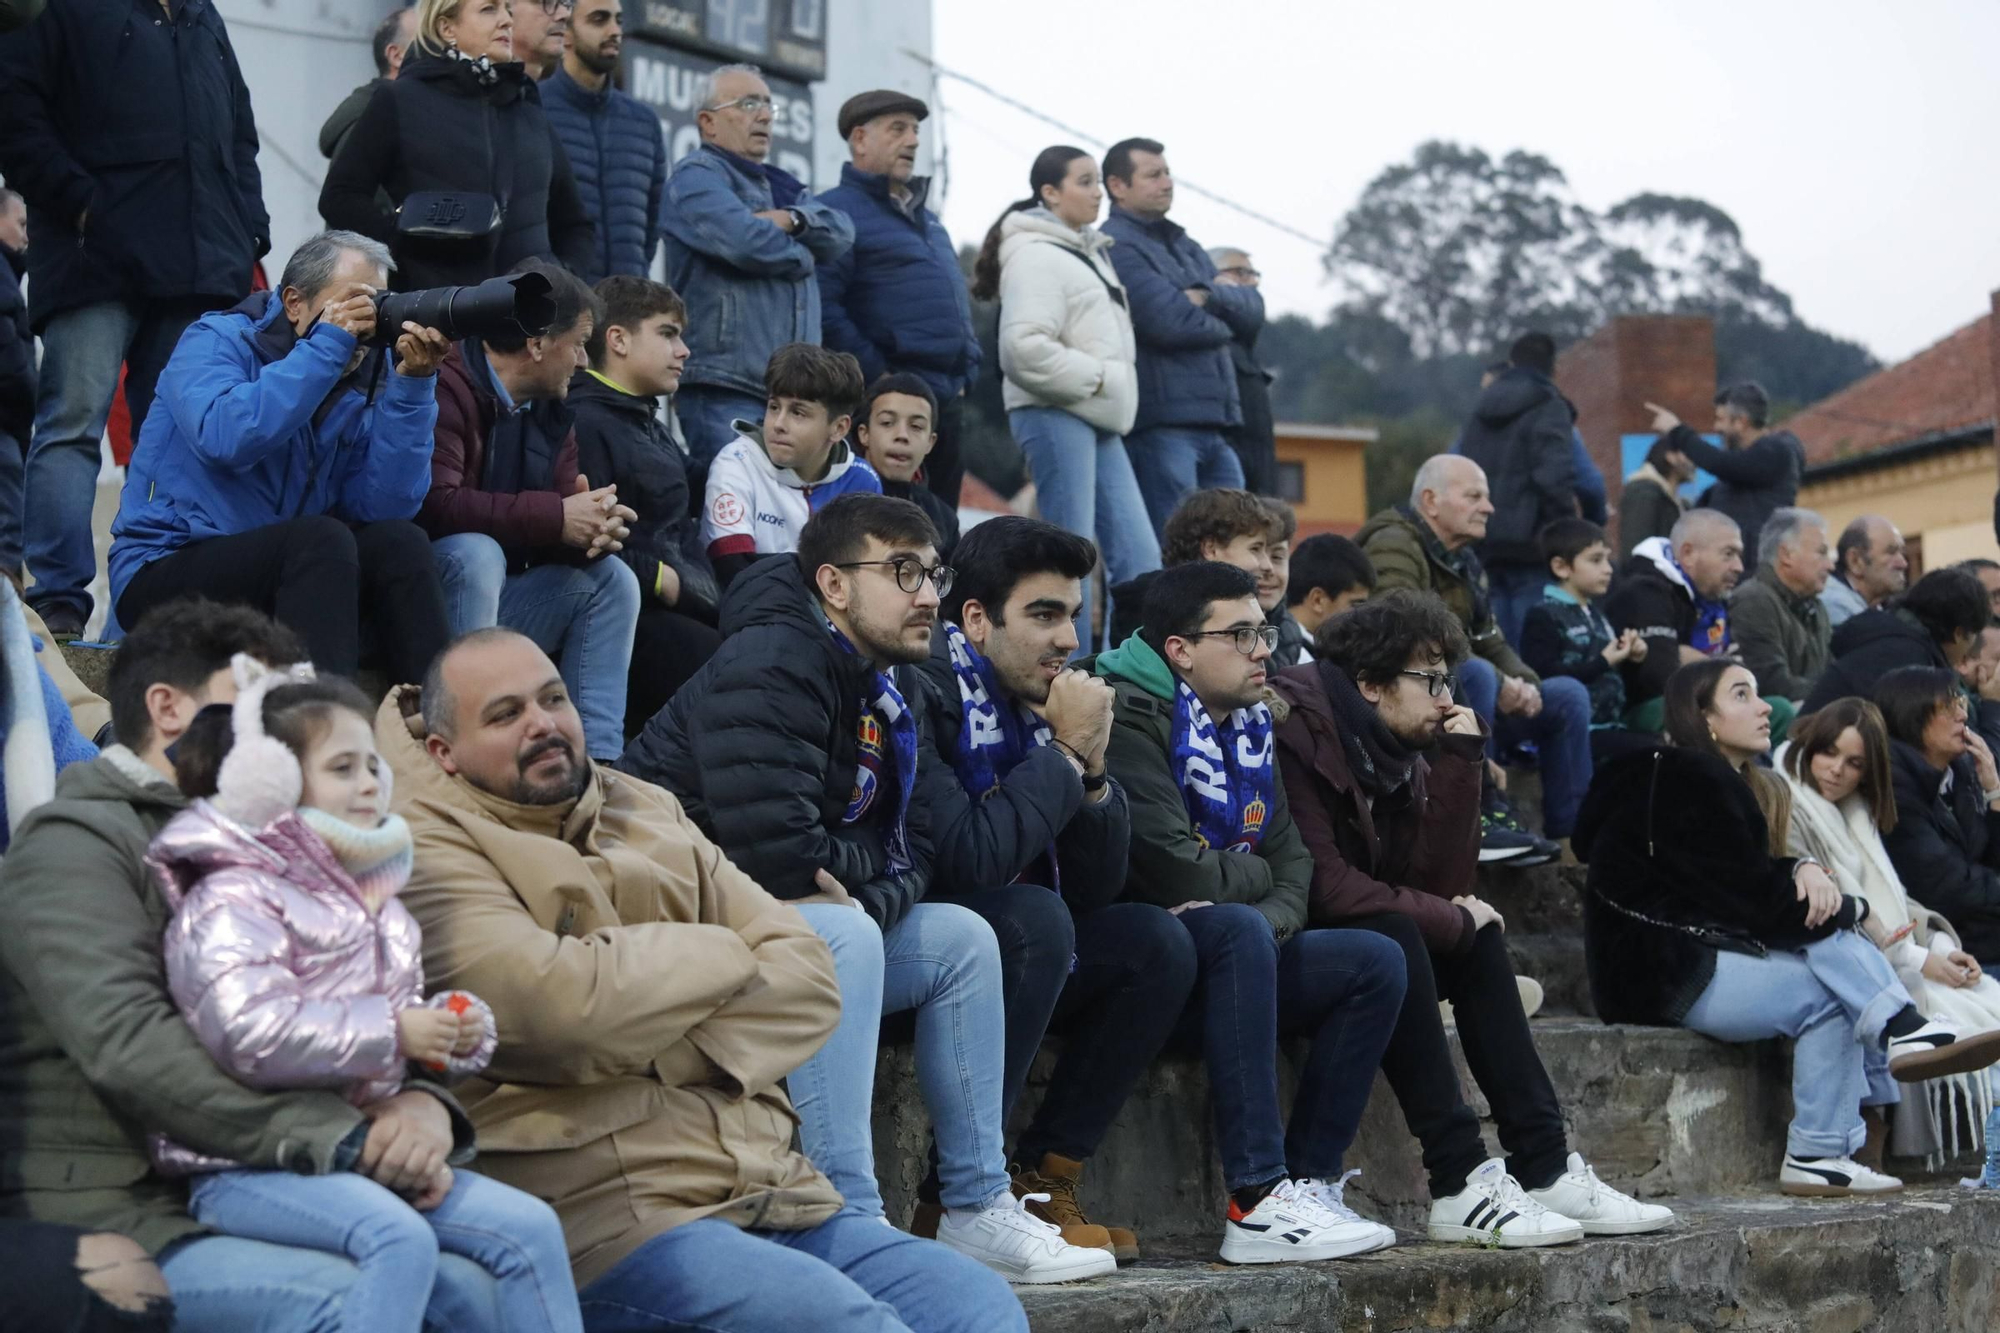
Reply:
x=1402 y=560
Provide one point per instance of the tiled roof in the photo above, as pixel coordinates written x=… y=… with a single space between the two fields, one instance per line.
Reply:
x=1945 y=387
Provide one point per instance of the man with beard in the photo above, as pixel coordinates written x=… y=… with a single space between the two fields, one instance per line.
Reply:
x=1394 y=837
x=615 y=145
x=1024 y=803
x=1756 y=471
x=797 y=748
x=1214 y=845
x=653 y=997
x=1674 y=592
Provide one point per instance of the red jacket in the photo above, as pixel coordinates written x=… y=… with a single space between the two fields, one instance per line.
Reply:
x=1423 y=853
x=516 y=519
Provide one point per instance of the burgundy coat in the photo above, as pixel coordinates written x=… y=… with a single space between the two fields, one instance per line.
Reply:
x=1423 y=852
x=515 y=519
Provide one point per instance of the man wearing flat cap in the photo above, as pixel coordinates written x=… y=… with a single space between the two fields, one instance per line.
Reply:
x=897 y=299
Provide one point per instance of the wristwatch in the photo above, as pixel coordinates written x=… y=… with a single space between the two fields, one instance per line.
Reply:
x=798 y=220
x=1095 y=784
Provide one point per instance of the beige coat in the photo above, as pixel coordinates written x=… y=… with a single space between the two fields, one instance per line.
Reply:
x=1065 y=340
x=648 y=995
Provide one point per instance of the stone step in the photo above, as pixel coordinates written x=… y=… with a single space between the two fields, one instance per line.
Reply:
x=1658 y=1111
x=1555 y=959
x=1545 y=897
x=1925 y=1260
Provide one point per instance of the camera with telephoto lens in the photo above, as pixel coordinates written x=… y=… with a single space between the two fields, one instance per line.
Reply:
x=517 y=305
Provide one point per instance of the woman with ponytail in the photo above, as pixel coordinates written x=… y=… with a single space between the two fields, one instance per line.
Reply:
x=1068 y=355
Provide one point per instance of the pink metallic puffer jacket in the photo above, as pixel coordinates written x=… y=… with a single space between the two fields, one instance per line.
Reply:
x=279 y=966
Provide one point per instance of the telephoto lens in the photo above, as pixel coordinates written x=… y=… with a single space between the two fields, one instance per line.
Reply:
x=517 y=305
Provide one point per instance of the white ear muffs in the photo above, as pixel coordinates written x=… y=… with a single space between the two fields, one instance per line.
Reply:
x=260 y=778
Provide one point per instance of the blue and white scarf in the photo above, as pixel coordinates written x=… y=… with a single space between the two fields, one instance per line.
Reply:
x=889 y=706
x=1710 y=633
x=1228 y=776
x=997 y=734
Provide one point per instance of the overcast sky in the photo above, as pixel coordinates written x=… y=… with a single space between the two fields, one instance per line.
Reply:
x=1857 y=145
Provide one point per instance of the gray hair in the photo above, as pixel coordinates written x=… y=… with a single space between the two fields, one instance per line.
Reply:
x=1435 y=475
x=1783 y=529
x=1698 y=523
x=311 y=266
x=1218 y=253
x=704 y=88
x=8 y=198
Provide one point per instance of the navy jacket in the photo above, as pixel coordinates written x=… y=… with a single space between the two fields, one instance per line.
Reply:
x=436 y=127
x=748 y=285
x=17 y=352
x=110 y=106
x=1186 y=374
x=254 y=425
x=1523 y=432
x=897 y=299
x=618 y=155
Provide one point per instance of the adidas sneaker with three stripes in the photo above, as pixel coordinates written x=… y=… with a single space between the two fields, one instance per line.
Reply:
x=1493 y=1209
x=1291 y=1225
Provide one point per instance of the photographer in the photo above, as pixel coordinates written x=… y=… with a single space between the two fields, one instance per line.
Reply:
x=521 y=538
x=282 y=467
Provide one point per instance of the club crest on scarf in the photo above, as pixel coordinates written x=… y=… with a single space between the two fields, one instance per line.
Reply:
x=899 y=757
x=1227 y=774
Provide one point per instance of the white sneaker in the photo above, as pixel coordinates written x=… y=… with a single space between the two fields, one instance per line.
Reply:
x=1018 y=1245
x=1332 y=1196
x=1833 y=1178
x=1937 y=1048
x=1493 y=1209
x=1291 y=1225
x=1579 y=1195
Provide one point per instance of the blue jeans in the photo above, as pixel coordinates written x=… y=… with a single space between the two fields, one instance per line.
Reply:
x=583 y=615
x=1340 y=989
x=942 y=961
x=1561 y=733
x=1172 y=462
x=1084 y=484
x=1512 y=590
x=849 y=1274
x=707 y=414
x=395 y=1249
x=1832 y=999
x=223 y=1284
x=82 y=350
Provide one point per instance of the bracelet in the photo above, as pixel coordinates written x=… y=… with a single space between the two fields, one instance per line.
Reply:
x=1805 y=861
x=1071 y=751
x=1989 y=797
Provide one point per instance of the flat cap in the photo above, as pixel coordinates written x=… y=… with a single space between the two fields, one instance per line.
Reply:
x=864 y=107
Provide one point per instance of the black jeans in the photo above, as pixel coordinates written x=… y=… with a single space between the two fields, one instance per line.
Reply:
x=944 y=470
x=1494 y=1034
x=1342 y=989
x=321 y=578
x=668 y=647
x=1135 y=968
x=44 y=1288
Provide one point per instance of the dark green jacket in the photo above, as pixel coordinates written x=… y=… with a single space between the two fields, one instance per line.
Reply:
x=1168 y=865
x=1783 y=638
x=93 y=1053
x=1402 y=560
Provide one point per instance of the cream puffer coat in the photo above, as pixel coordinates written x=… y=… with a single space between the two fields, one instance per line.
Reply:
x=1065 y=339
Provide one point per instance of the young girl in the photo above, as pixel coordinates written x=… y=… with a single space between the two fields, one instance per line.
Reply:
x=296 y=967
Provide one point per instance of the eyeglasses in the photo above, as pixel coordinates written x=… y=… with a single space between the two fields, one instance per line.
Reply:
x=1242 y=271
x=910 y=573
x=1437 y=682
x=555 y=7
x=751 y=105
x=1247 y=636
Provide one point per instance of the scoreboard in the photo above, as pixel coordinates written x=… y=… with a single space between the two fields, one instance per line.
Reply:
x=786 y=37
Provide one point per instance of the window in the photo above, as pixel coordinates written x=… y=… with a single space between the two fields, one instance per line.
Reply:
x=1291 y=481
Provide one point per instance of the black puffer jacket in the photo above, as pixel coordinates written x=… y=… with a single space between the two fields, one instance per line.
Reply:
x=1868 y=647
x=1751 y=483
x=17 y=352
x=436 y=127
x=1680 y=867
x=142 y=118
x=1946 y=848
x=620 y=440
x=981 y=843
x=762 y=748
x=1520 y=434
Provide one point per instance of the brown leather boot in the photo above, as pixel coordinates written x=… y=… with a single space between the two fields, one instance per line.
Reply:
x=1057 y=1177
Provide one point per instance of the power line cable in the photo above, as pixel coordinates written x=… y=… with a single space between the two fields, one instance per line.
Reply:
x=1180 y=182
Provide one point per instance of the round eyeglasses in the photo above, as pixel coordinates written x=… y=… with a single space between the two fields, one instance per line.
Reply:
x=910 y=573
x=1437 y=682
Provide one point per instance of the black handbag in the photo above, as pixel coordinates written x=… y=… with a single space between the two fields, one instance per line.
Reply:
x=448 y=215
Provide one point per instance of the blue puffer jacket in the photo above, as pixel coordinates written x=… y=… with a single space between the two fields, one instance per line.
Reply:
x=619 y=157
x=748 y=285
x=897 y=300
x=253 y=425
x=1186 y=377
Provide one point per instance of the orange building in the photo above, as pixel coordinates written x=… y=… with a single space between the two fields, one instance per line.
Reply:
x=1323 y=475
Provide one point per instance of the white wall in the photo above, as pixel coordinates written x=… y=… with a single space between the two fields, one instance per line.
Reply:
x=300 y=57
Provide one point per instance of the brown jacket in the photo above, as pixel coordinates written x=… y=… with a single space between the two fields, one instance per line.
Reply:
x=649 y=997
x=1410 y=854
